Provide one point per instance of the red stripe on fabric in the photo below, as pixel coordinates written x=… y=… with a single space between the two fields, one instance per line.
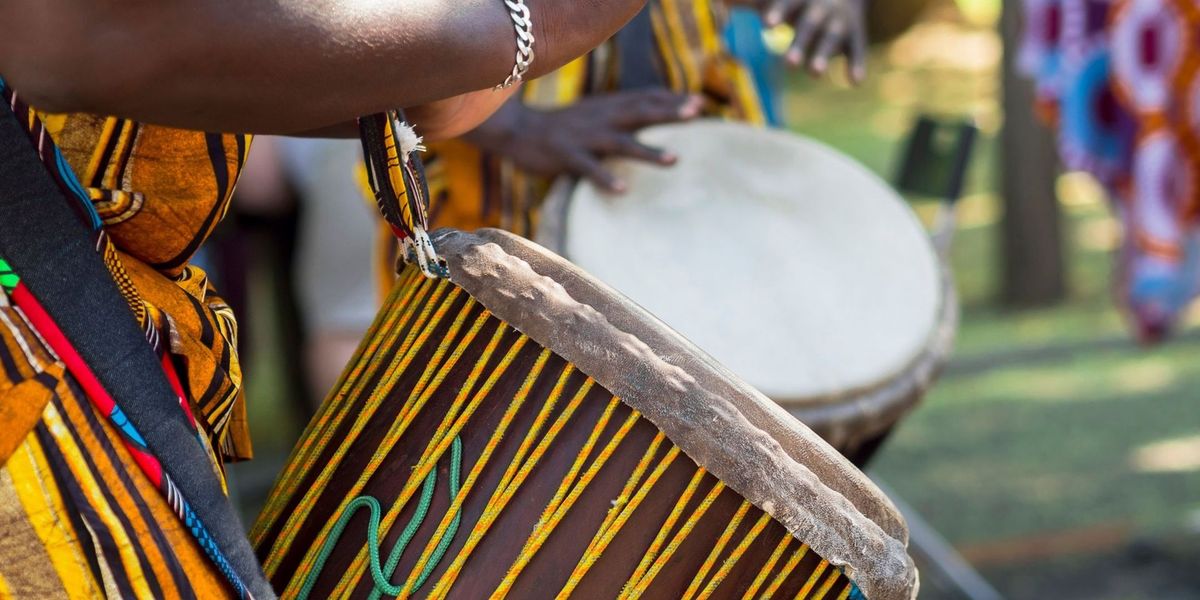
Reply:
x=173 y=377
x=45 y=325
x=147 y=463
x=41 y=321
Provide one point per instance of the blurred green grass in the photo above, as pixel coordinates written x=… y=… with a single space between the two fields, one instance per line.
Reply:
x=1038 y=443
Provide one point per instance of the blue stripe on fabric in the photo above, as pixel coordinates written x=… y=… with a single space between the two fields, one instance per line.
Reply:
x=68 y=175
x=119 y=419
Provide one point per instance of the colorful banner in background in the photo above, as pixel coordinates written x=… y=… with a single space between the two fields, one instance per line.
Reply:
x=1120 y=82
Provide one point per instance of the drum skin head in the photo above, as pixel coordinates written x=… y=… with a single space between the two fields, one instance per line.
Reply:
x=788 y=262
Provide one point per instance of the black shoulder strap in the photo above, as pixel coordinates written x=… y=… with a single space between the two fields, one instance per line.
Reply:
x=50 y=249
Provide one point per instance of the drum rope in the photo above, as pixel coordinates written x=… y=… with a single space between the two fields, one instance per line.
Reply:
x=667 y=527
x=421 y=313
x=769 y=566
x=382 y=575
x=305 y=454
x=829 y=581
x=722 y=540
x=785 y=572
x=635 y=589
x=415 y=580
x=623 y=507
x=410 y=410
x=812 y=580
x=515 y=476
x=456 y=419
x=735 y=556
x=400 y=362
x=562 y=501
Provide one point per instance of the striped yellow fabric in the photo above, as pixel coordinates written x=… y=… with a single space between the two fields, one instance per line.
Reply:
x=78 y=519
x=469 y=190
x=541 y=443
x=160 y=193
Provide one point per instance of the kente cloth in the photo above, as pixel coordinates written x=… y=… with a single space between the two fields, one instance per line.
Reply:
x=87 y=508
x=1118 y=80
x=682 y=48
x=159 y=193
x=78 y=517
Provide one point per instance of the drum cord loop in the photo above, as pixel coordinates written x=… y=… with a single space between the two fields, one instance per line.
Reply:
x=381 y=576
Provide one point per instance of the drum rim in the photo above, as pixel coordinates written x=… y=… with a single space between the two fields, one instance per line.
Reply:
x=869 y=398
x=856 y=416
x=845 y=419
x=679 y=388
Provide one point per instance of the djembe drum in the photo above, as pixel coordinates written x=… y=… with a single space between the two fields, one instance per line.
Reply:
x=521 y=430
x=787 y=261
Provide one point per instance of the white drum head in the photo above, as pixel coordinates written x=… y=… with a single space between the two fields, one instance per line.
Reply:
x=788 y=262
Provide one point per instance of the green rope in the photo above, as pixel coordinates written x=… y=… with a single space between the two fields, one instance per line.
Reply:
x=383 y=575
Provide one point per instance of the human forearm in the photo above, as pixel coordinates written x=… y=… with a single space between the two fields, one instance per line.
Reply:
x=277 y=66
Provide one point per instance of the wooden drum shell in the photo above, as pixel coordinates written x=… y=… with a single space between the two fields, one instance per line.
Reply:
x=444 y=341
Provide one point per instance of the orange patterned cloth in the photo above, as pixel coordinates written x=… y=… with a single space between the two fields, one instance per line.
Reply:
x=160 y=193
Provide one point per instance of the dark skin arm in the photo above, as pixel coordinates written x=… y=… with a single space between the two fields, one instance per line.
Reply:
x=434 y=121
x=278 y=66
x=574 y=140
x=824 y=29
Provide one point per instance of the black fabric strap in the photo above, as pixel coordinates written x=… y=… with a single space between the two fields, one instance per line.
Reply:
x=51 y=251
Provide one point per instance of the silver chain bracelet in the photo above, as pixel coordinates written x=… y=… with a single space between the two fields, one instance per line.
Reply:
x=523 y=25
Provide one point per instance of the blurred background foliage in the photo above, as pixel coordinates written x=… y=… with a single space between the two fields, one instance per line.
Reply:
x=1060 y=458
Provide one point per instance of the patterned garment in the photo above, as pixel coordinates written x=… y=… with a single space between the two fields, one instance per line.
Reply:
x=78 y=517
x=85 y=508
x=160 y=192
x=469 y=190
x=1119 y=80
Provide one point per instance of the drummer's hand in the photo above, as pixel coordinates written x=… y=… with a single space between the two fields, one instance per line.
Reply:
x=575 y=140
x=824 y=29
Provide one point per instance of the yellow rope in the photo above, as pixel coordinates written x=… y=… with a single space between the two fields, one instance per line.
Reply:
x=334 y=411
x=558 y=506
x=735 y=556
x=768 y=567
x=362 y=415
x=812 y=580
x=786 y=571
x=509 y=484
x=684 y=531
x=494 y=442
x=664 y=531
x=621 y=511
x=627 y=493
x=845 y=595
x=434 y=452
x=723 y=540
x=833 y=577
x=377 y=397
x=329 y=415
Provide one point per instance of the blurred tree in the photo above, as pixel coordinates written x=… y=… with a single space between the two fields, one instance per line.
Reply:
x=887 y=20
x=1032 y=265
